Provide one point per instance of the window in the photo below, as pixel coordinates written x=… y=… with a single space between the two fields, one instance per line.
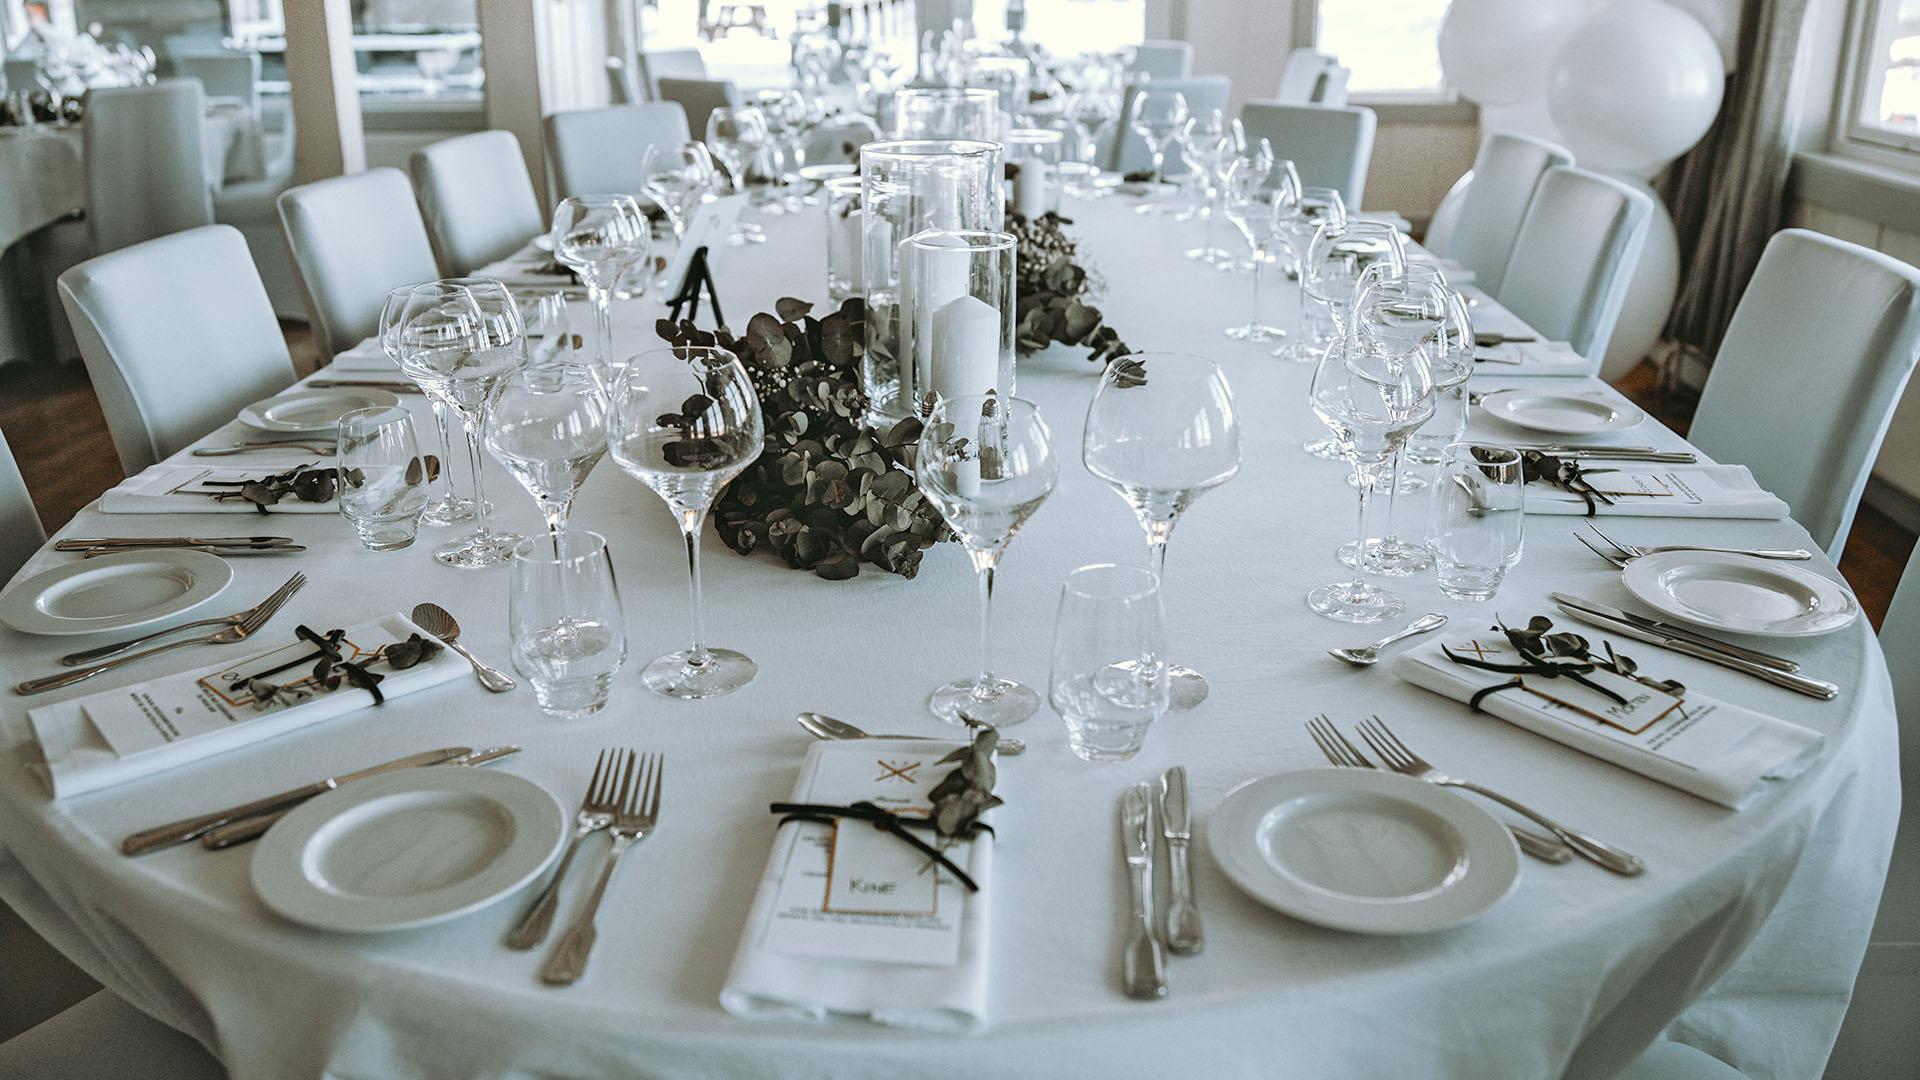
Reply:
x=1393 y=49
x=1885 y=103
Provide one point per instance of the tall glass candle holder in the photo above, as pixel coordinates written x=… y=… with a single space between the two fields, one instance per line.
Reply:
x=1033 y=159
x=962 y=314
x=909 y=187
x=844 y=239
x=947 y=113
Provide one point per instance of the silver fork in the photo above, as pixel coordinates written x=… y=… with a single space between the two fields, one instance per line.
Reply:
x=1400 y=759
x=1632 y=551
x=279 y=595
x=639 y=809
x=595 y=813
x=1607 y=555
x=238 y=632
x=1341 y=752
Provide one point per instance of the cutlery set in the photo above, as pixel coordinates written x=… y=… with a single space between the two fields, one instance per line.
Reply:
x=1777 y=670
x=1143 y=959
x=95 y=546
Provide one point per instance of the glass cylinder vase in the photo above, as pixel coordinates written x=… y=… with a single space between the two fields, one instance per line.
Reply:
x=1033 y=165
x=962 y=315
x=946 y=113
x=844 y=238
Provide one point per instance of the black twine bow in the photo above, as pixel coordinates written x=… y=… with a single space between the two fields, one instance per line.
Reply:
x=1563 y=473
x=885 y=821
x=1554 y=656
x=328 y=659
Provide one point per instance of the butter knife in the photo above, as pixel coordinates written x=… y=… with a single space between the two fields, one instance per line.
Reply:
x=1667 y=629
x=1143 y=966
x=1800 y=684
x=245 y=829
x=1184 y=936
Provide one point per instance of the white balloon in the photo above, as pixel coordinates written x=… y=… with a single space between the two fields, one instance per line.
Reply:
x=1496 y=52
x=1635 y=85
x=1650 y=293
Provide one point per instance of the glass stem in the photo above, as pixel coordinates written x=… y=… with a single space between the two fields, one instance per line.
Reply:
x=1365 y=475
x=1159 y=156
x=603 y=312
x=1158 y=533
x=984 y=563
x=1206 y=237
x=472 y=428
x=1259 y=267
x=445 y=482
x=1300 y=302
x=1392 y=538
x=690 y=523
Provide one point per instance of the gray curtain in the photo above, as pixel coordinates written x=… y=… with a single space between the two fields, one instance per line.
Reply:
x=1727 y=194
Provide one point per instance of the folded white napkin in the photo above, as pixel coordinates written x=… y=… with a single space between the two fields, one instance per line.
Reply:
x=768 y=984
x=366 y=356
x=148 y=492
x=1522 y=358
x=1695 y=491
x=77 y=758
x=1717 y=751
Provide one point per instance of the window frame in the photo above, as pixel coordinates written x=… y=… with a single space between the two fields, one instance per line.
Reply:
x=1306 y=32
x=1853 y=135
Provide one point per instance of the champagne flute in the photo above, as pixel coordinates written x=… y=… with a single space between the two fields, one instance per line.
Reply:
x=600 y=238
x=447 y=507
x=986 y=463
x=1256 y=211
x=1157 y=116
x=1162 y=430
x=685 y=421
x=549 y=428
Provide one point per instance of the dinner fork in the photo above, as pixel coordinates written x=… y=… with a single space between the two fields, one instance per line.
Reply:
x=88 y=656
x=1632 y=551
x=239 y=631
x=1341 y=752
x=634 y=819
x=1398 y=757
x=595 y=813
x=1607 y=555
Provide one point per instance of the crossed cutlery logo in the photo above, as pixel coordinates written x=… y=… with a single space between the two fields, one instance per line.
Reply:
x=901 y=771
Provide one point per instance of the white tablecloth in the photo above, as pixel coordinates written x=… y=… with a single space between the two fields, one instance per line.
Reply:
x=1748 y=927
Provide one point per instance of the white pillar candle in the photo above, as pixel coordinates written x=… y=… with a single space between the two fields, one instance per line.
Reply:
x=928 y=281
x=966 y=347
x=1030 y=190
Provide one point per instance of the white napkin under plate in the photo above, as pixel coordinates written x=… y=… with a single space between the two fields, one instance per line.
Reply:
x=1729 y=751
x=766 y=983
x=1524 y=358
x=78 y=758
x=366 y=356
x=148 y=492
x=1697 y=491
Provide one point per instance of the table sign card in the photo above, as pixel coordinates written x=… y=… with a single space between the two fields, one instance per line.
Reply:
x=707 y=227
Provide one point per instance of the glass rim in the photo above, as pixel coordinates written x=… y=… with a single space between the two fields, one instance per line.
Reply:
x=909 y=149
x=537 y=550
x=977 y=240
x=1004 y=399
x=1144 y=584
x=381 y=415
x=1507 y=455
x=944 y=93
x=682 y=352
x=597 y=198
x=1032 y=135
x=838 y=184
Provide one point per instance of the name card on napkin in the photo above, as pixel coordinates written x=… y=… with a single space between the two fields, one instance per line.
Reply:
x=1703 y=491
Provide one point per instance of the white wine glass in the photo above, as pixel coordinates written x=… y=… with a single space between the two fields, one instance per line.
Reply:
x=600 y=238
x=445 y=505
x=1317 y=206
x=549 y=428
x=1256 y=210
x=1157 y=116
x=1340 y=251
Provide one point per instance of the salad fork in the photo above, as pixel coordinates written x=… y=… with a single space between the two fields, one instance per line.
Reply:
x=1631 y=551
x=595 y=813
x=238 y=632
x=638 y=810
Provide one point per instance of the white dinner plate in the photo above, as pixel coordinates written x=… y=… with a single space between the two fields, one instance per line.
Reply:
x=313 y=412
x=1363 y=850
x=1580 y=412
x=114 y=592
x=1740 y=593
x=408 y=848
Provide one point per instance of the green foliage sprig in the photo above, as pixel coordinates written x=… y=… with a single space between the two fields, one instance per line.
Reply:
x=966 y=792
x=1054 y=292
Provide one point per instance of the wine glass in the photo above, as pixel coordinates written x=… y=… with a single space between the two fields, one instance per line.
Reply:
x=600 y=238
x=1207 y=142
x=685 y=421
x=549 y=331
x=1453 y=366
x=735 y=137
x=1089 y=113
x=680 y=179
x=1316 y=206
x=446 y=507
x=1256 y=211
x=1340 y=251
x=1162 y=430
x=986 y=463
x=549 y=428
x=1157 y=116
x=1109 y=681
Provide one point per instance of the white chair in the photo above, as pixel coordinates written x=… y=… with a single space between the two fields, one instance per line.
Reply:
x=604 y=151
x=837 y=141
x=229 y=73
x=477 y=199
x=1307 y=79
x=1506 y=172
x=177 y=335
x=621 y=89
x=355 y=239
x=1446 y=216
x=104 y=1038
x=1162 y=59
x=146 y=162
x=669 y=64
x=1130 y=153
x=1329 y=147
x=1669 y=1060
x=20 y=532
x=1809 y=372
x=1574 y=256
x=699 y=97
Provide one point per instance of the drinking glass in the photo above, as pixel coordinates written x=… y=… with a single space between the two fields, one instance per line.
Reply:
x=986 y=463
x=382 y=479
x=1316 y=207
x=946 y=113
x=1476 y=519
x=549 y=428
x=600 y=238
x=1157 y=116
x=1162 y=431
x=844 y=237
x=1207 y=142
x=736 y=136
x=1341 y=250
x=685 y=421
x=1256 y=211
x=445 y=506
x=1090 y=113
x=1450 y=375
x=569 y=637
x=680 y=179
x=1109 y=681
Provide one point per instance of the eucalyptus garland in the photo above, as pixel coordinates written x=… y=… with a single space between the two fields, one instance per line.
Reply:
x=1053 y=292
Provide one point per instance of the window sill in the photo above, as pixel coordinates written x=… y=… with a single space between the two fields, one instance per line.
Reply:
x=1877 y=193
x=1419 y=109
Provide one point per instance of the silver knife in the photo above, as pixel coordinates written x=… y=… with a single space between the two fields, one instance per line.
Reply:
x=1184 y=935
x=1143 y=966
x=245 y=829
x=1667 y=629
x=179 y=832
x=225 y=552
x=1800 y=684
x=388 y=385
x=82 y=543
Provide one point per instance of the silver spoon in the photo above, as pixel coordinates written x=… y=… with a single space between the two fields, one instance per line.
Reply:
x=440 y=622
x=1362 y=657
x=823 y=726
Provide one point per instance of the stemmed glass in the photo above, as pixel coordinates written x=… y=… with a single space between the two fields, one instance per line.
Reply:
x=1453 y=366
x=1256 y=211
x=736 y=136
x=1162 y=430
x=986 y=463
x=600 y=238
x=446 y=507
x=1208 y=144
x=686 y=421
x=1090 y=112
x=1157 y=117
x=785 y=114
x=1340 y=252
x=680 y=179
x=1317 y=206
x=549 y=428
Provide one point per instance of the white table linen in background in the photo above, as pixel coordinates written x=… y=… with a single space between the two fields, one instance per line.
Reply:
x=1748 y=926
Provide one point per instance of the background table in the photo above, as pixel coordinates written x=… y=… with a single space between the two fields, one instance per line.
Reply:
x=1748 y=926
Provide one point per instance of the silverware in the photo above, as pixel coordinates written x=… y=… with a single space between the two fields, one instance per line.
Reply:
x=1367 y=655
x=370 y=384
x=1184 y=935
x=84 y=543
x=1644 y=454
x=1486 y=338
x=239 y=631
x=1667 y=629
x=179 y=832
x=277 y=597
x=223 y=552
x=248 y=448
x=1398 y=757
x=245 y=829
x=639 y=809
x=595 y=813
x=440 y=622
x=1800 y=684
x=1341 y=752
x=1143 y=964
x=1617 y=561
x=823 y=726
x=1633 y=551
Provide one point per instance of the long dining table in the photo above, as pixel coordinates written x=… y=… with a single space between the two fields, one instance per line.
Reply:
x=1742 y=937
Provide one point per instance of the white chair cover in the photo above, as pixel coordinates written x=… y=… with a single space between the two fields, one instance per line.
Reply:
x=228 y=73
x=670 y=64
x=477 y=198
x=1202 y=92
x=104 y=1038
x=1507 y=171
x=1446 y=217
x=604 y=151
x=1302 y=74
x=177 y=335
x=1329 y=147
x=838 y=140
x=146 y=165
x=699 y=97
x=1331 y=90
x=20 y=532
x=1809 y=372
x=1162 y=59
x=1574 y=258
x=355 y=239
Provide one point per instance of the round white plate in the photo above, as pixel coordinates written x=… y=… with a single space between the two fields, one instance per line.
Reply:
x=1740 y=593
x=408 y=848
x=1363 y=850
x=816 y=174
x=114 y=592
x=1562 y=413
x=313 y=412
